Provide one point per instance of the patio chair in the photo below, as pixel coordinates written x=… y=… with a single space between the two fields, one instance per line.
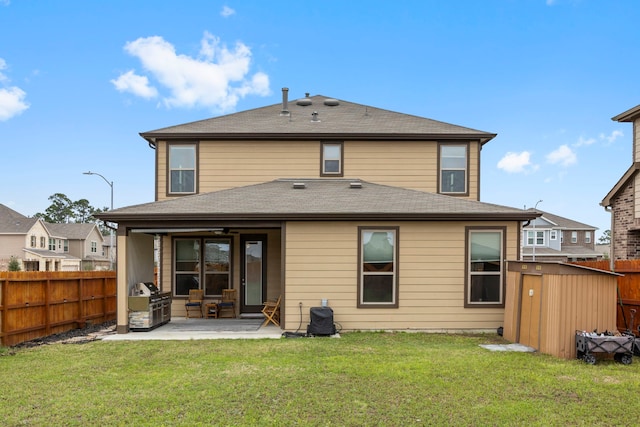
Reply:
x=228 y=302
x=271 y=311
x=194 y=303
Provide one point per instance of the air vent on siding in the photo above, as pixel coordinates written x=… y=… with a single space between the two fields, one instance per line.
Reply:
x=299 y=185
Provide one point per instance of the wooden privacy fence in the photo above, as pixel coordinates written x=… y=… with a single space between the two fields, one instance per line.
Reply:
x=628 y=290
x=35 y=304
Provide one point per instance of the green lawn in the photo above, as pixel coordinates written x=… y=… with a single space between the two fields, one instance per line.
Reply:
x=361 y=379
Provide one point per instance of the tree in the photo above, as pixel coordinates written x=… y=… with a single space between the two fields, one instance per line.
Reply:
x=14 y=264
x=605 y=239
x=63 y=211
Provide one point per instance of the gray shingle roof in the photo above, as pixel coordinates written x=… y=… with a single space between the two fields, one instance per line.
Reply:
x=345 y=120
x=72 y=231
x=12 y=222
x=568 y=251
x=563 y=222
x=320 y=199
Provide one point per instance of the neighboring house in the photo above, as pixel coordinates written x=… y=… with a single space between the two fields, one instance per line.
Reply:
x=554 y=238
x=375 y=211
x=623 y=201
x=32 y=244
x=85 y=242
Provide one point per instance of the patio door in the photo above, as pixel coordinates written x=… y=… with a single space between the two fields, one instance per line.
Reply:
x=253 y=282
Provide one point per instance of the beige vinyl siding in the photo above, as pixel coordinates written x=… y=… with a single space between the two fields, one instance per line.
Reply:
x=228 y=164
x=324 y=265
x=12 y=246
x=401 y=164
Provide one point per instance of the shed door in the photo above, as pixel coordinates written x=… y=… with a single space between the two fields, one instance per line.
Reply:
x=530 y=310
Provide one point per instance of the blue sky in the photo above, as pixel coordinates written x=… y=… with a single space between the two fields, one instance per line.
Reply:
x=79 y=80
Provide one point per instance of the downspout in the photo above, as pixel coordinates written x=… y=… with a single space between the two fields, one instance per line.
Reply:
x=612 y=263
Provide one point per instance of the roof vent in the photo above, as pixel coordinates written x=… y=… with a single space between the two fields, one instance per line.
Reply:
x=285 y=102
x=314 y=117
x=304 y=101
x=355 y=184
x=330 y=102
x=299 y=185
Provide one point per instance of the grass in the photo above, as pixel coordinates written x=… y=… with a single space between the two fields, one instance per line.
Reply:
x=361 y=379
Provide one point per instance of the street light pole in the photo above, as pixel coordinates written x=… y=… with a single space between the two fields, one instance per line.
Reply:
x=110 y=229
x=535 y=238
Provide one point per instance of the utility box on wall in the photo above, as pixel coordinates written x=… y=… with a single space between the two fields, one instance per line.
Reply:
x=547 y=302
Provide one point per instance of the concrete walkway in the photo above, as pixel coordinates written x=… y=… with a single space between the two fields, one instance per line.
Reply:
x=181 y=328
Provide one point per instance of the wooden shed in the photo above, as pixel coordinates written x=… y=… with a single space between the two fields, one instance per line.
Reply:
x=547 y=302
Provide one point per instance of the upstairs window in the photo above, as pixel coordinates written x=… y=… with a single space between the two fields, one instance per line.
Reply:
x=587 y=237
x=553 y=235
x=43 y=242
x=52 y=244
x=535 y=238
x=574 y=237
x=94 y=247
x=453 y=169
x=33 y=241
x=378 y=262
x=182 y=169
x=331 y=159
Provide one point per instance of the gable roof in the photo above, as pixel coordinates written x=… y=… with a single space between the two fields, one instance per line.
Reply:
x=629 y=174
x=317 y=199
x=561 y=222
x=12 y=222
x=72 y=231
x=335 y=119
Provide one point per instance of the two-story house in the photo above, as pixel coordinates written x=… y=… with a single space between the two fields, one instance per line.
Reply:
x=84 y=241
x=31 y=242
x=555 y=238
x=623 y=201
x=374 y=211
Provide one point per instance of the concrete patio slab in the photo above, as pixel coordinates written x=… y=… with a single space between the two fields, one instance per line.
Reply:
x=181 y=328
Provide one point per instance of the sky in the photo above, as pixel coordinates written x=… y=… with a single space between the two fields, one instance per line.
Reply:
x=79 y=80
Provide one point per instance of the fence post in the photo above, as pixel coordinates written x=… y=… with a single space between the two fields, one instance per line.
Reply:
x=47 y=306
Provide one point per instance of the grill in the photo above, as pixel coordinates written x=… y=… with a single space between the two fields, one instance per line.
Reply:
x=148 y=307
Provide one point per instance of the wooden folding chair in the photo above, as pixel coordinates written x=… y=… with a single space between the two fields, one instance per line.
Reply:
x=271 y=311
x=228 y=302
x=194 y=303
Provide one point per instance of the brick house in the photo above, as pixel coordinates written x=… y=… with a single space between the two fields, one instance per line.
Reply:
x=623 y=201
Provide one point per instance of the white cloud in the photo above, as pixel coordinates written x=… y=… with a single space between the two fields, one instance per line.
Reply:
x=612 y=137
x=12 y=98
x=217 y=79
x=517 y=163
x=137 y=85
x=227 y=11
x=584 y=141
x=563 y=155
